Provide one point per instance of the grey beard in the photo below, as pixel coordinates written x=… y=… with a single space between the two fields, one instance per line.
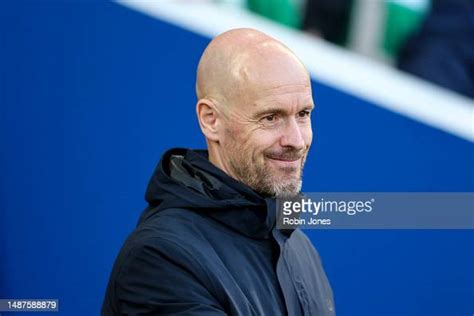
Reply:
x=263 y=182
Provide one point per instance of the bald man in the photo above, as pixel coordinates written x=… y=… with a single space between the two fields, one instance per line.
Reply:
x=207 y=243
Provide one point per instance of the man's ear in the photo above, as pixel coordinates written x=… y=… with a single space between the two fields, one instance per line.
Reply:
x=208 y=118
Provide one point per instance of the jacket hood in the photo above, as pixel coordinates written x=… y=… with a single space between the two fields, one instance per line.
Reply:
x=186 y=179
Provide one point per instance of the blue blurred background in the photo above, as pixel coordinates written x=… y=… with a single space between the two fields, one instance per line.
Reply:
x=90 y=97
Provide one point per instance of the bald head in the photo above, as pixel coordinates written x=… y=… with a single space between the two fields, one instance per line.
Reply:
x=240 y=61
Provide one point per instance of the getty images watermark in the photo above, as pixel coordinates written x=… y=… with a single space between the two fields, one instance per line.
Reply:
x=318 y=208
x=376 y=210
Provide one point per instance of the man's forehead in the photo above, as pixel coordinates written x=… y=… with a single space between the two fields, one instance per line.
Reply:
x=299 y=98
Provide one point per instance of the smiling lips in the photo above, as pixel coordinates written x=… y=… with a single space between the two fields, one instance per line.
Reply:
x=286 y=162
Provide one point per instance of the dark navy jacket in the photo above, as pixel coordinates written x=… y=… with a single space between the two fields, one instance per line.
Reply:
x=207 y=245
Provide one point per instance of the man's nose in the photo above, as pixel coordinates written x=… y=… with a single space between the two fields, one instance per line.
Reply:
x=292 y=135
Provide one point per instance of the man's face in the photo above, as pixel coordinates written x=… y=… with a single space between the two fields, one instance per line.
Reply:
x=268 y=134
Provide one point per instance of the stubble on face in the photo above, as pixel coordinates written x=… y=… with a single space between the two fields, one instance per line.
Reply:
x=254 y=169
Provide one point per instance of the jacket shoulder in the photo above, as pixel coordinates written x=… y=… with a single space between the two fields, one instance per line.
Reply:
x=173 y=233
x=158 y=264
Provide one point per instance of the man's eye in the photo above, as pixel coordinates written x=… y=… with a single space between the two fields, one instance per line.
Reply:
x=270 y=118
x=304 y=113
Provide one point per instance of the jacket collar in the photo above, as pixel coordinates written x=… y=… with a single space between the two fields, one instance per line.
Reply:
x=187 y=179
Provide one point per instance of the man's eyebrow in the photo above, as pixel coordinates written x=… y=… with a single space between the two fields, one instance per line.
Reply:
x=281 y=111
x=272 y=110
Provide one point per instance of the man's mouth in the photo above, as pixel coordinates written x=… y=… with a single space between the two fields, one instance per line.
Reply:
x=286 y=162
x=285 y=158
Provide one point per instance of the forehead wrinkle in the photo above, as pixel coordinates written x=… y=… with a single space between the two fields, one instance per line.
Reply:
x=262 y=106
x=287 y=88
x=275 y=97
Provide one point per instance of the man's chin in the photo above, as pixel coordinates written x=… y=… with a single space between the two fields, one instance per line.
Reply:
x=286 y=186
